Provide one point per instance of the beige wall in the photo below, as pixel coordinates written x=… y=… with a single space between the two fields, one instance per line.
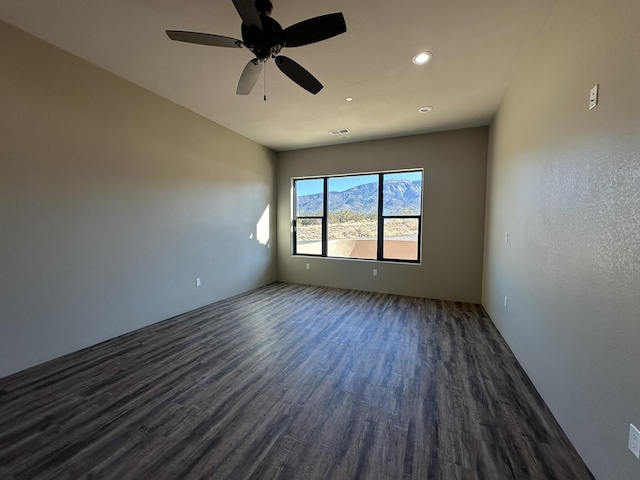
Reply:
x=112 y=202
x=453 y=220
x=565 y=183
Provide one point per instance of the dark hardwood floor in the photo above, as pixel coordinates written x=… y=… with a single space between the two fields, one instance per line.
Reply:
x=293 y=382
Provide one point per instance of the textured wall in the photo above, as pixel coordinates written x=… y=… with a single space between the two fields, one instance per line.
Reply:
x=112 y=202
x=453 y=217
x=565 y=183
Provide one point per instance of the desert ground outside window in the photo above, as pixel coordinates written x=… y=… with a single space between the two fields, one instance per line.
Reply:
x=370 y=216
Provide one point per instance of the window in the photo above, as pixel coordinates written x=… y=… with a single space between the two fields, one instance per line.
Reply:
x=376 y=216
x=309 y=216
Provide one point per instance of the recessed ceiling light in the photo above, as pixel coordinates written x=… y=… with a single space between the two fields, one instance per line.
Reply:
x=349 y=99
x=422 y=58
x=425 y=109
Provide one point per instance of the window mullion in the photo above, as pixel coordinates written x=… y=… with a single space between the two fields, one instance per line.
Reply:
x=325 y=223
x=380 y=218
x=295 y=236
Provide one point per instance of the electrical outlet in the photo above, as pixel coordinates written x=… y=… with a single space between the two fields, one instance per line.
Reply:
x=634 y=440
x=505 y=301
x=375 y=272
x=198 y=282
x=307 y=266
x=506 y=237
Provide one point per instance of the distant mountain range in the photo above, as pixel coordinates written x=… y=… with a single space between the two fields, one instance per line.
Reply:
x=400 y=196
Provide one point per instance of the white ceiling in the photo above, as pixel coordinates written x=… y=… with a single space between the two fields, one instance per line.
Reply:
x=477 y=48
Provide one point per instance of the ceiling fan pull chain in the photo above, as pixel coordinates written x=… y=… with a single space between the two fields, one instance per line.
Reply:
x=265 y=81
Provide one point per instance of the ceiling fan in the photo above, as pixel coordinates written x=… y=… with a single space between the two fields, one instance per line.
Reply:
x=265 y=38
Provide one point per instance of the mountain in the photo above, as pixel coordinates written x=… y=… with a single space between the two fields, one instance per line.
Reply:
x=400 y=196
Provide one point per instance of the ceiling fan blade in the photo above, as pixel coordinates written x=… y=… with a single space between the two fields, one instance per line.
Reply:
x=314 y=30
x=249 y=77
x=298 y=74
x=204 y=39
x=248 y=12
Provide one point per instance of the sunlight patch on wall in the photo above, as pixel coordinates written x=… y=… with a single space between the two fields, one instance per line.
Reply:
x=262 y=228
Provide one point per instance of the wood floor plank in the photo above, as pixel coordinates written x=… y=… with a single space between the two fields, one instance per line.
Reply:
x=289 y=382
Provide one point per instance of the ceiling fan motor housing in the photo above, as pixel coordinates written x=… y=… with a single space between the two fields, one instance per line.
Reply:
x=264 y=43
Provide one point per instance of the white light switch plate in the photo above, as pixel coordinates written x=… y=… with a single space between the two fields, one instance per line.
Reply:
x=593 y=97
x=634 y=440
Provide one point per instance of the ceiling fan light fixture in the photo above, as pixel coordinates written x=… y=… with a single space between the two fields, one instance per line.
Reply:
x=349 y=99
x=422 y=58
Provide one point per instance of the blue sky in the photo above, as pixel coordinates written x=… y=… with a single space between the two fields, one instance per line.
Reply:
x=340 y=184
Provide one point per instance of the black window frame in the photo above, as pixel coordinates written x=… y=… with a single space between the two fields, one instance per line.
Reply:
x=311 y=217
x=381 y=217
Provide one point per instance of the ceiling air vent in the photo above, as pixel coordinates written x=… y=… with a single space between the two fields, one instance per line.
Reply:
x=340 y=131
